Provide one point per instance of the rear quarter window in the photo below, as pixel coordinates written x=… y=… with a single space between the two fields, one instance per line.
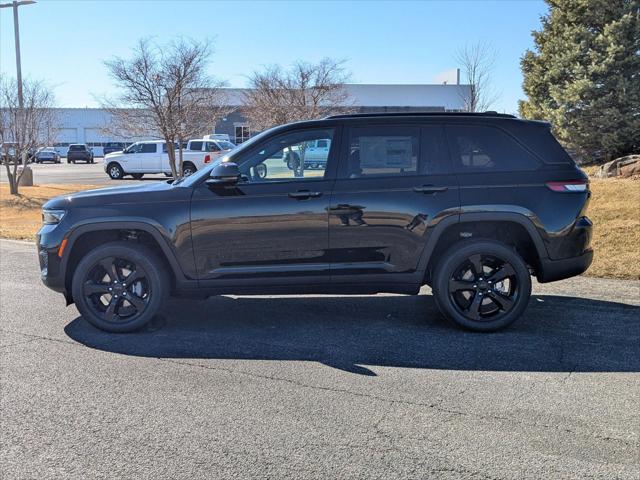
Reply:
x=483 y=148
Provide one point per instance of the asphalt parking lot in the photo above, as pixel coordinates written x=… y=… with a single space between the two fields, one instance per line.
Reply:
x=78 y=173
x=319 y=387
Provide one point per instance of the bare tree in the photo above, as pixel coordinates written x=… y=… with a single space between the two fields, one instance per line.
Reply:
x=477 y=62
x=24 y=130
x=165 y=91
x=304 y=92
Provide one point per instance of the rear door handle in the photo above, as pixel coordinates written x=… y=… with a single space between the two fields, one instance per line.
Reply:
x=429 y=189
x=304 y=194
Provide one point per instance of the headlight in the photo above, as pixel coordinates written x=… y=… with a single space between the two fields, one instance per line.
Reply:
x=51 y=217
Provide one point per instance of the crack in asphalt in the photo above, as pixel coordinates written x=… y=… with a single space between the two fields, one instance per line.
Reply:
x=434 y=406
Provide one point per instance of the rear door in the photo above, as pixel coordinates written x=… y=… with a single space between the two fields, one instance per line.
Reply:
x=150 y=157
x=394 y=185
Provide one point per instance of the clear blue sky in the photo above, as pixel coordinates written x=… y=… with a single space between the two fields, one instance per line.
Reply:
x=65 y=42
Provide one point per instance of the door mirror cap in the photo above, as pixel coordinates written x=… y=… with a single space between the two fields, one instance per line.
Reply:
x=225 y=173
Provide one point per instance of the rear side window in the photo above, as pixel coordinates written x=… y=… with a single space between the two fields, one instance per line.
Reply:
x=196 y=146
x=148 y=148
x=480 y=148
x=382 y=151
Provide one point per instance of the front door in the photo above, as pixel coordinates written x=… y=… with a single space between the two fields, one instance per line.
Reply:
x=272 y=228
x=393 y=185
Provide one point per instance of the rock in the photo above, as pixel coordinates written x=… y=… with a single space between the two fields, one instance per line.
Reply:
x=613 y=168
x=630 y=169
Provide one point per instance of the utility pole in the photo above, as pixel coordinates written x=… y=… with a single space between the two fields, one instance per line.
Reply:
x=16 y=30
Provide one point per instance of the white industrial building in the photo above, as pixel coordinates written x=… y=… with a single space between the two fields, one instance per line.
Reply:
x=91 y=125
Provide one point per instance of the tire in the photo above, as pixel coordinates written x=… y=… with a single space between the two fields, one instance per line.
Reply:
x=111 y=266
x=188 y=168
x=115 y=171
x=481 y=285
x=68 y=161
x=137 y=176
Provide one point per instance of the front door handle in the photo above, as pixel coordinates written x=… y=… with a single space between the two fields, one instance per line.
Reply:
x=304 y=194
x=427 y=189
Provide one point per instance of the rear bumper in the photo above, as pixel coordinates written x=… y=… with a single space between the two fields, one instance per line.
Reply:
x=552 y=270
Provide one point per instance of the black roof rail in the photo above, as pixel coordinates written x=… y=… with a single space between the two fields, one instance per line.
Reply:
x=423 y=114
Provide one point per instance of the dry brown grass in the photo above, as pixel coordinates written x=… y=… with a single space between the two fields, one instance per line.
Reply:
x=615 y=212
x=614 y=209
x=20 y=216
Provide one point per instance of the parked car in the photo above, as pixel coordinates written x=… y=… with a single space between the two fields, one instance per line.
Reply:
x=47 y=154
x=8 y=153
x=469 y=204
x=79 y=152
x=111 y=147
x=152 y=157
x=314 y=153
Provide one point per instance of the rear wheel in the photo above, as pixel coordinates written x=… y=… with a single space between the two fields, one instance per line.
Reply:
x=188 y=168
x=115 y=171
x=120 y=286
x=482 y=285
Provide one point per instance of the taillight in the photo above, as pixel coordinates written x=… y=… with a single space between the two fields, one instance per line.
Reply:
x=207 y=158
x=569 y=186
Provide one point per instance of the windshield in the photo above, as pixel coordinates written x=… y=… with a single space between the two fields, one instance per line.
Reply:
x=204 y=173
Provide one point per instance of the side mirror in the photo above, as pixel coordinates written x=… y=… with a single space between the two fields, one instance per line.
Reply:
x=225 y=173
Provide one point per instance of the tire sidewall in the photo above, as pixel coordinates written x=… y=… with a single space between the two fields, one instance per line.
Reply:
x=453 y=257
x=138 y=254
x=121 y=172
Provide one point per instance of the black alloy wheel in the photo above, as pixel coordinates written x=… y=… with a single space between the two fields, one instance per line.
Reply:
x=120 y=286
x=116 y=289
x=481 y=285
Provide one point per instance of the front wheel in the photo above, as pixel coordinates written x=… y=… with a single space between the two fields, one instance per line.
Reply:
x=482 y=285
x=120 y=286
x=115 y=171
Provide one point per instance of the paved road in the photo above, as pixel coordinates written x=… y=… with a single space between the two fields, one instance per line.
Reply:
x=80 y=173
x=320 y=387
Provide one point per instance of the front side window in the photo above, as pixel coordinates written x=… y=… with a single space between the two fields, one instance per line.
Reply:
x=479 y=148
x=212 y=147
x=292 y=156
x=382 y=151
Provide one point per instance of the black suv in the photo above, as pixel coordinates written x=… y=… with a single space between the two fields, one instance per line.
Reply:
x=79 y=152
x=470 y=204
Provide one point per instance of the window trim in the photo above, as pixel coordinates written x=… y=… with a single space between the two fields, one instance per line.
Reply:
x=455 y=168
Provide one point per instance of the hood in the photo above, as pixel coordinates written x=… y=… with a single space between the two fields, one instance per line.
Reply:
x=147 y=193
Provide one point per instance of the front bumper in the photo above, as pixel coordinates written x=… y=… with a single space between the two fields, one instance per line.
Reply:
x=552 y=270
x=51 y=265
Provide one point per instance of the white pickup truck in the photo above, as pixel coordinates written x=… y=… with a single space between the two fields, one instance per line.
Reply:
x=152 y=157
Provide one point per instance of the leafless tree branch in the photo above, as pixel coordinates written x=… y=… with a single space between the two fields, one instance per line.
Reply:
x=23 y=131
x=477 y=62
x=165 y=91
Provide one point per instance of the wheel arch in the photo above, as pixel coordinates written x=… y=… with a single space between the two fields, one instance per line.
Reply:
x=515 y=229
x=85 y=237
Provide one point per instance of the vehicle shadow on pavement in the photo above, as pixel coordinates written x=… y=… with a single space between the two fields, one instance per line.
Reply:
x=556 y=334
